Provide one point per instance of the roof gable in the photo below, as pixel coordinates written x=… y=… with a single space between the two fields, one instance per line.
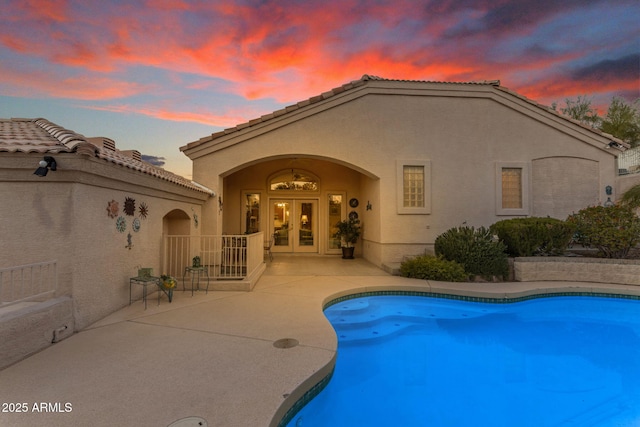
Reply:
x=391 y=85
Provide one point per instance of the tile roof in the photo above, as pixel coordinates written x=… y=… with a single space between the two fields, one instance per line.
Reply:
x=42 y=136
x=362 y=81
x=36 y=136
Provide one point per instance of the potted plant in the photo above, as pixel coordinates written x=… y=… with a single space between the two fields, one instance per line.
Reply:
x=167 y=284
x=348 y=231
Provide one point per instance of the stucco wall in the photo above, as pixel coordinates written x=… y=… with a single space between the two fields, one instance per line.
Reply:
x=103 y=262
x=64 y=217
x=624 y=183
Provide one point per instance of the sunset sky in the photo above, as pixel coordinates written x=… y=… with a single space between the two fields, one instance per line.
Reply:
x=156 y=75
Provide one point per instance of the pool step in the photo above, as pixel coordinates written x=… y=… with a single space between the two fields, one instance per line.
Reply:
x=376 y=329
x=598 y=414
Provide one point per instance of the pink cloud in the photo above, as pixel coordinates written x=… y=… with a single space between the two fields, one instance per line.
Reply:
x=223 y=121
x=40 y=83
x=284 y=50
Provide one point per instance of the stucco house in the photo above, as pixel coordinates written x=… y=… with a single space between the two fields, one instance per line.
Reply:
x=75 y=233
x=410 y=159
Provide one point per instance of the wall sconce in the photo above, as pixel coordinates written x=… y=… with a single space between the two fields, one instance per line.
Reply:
x=614 y=144
x=44 y=166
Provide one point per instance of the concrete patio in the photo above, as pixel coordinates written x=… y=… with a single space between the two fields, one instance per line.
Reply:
x=212 y=355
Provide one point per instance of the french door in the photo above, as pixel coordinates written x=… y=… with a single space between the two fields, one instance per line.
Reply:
x=294 y=225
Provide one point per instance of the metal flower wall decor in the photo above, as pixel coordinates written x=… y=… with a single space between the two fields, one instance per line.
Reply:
x=129 y=206
x=112 y=209
x=143 y=210
x=129 y=209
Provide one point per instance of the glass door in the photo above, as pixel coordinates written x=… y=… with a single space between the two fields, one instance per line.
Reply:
x=281 y=225
x=306 y=230
x=294 y=224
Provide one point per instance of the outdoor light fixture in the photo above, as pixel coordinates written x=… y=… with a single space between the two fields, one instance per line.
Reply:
x=44 y=166
x=614 y=144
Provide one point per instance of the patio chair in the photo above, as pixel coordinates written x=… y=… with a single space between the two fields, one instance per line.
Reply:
x=268 y=245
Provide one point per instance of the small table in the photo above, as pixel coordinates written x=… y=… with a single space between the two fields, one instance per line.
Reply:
x=144 y=281
x=193 y=272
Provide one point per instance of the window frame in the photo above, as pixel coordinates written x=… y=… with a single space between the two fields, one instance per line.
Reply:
x=525 y=191
x=404 y=210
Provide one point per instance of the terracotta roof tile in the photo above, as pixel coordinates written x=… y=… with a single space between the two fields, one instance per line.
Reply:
x=45 y=137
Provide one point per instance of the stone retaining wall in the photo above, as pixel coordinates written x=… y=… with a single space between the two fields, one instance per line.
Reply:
x=576 y=269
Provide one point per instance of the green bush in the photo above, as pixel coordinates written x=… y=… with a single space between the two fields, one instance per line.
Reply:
x=534 y=236
x=613 y=230
x=475 y=249
x=429 y=267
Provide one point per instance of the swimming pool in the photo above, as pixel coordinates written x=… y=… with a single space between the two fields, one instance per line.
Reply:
x=425 y=361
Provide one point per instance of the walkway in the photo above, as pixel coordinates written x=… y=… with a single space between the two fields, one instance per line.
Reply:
x=210 y=356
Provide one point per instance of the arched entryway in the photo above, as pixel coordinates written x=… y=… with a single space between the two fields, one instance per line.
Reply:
x=297 y=201
x=176 y=224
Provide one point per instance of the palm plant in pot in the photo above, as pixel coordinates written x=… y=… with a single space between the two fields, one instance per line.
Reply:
x=348 y=231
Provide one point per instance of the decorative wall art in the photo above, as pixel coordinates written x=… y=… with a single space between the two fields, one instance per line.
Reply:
x=112 y=209
x=129 y=209
x=129 y=206
x=129 y=242
x=143 y=210
x=195 y=218
x=121 y=224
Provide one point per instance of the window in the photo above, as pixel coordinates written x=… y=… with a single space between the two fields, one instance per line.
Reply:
x=293 y=180
x=335 y=215
x=251 y=212
x=512 y=188
x=413 y=186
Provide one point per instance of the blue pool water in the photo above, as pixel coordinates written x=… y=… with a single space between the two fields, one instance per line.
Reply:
x=423 y=361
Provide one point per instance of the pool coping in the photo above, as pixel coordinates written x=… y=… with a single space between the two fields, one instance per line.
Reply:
x=311 y=387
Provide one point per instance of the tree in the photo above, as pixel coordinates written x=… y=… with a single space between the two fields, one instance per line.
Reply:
x=581 y=110
x=623 y=120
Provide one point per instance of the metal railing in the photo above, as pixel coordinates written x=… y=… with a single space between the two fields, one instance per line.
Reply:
x=227 y=257
x=31 y=282
x=629 y=161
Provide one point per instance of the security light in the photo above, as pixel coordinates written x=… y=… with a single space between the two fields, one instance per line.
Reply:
x=44 y=166
x=614 y=144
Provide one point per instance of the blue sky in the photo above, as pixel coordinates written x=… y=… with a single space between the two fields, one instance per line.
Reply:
x=156 y=75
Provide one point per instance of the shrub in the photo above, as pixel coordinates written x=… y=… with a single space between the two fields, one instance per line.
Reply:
x=429 y=267
x=476 y=250
x=613 y=230
x=533 y=236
